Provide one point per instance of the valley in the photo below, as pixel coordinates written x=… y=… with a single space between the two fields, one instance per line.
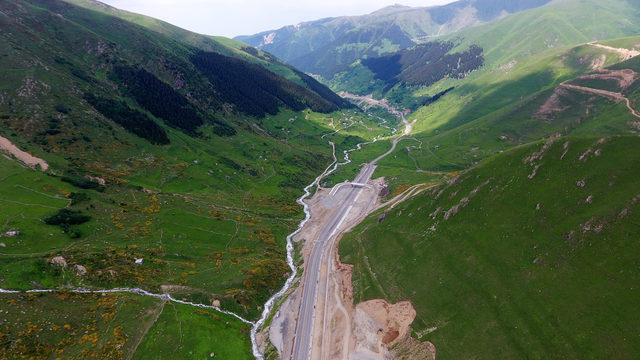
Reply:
x=443 y=182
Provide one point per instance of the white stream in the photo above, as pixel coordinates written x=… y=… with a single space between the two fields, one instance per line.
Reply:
x=136 y=291
x=268 y=306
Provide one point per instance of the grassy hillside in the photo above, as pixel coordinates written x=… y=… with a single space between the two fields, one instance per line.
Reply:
x=218 y=44
x=172 y=61
x=494 y=108
x=500 y=109
x=560 y=24
x=391 y=76
x=164 y=146
x=531 y=254
x=526 y=254
x=522 y=44
x=329 y=46
x=206 y=222
x=491 y=111
x=115 y=326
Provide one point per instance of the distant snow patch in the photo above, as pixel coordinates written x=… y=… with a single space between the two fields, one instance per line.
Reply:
x=268 y=39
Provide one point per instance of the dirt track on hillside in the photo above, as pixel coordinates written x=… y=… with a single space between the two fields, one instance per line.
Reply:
x=618 y=97
x=24 y=157
x=625 y=54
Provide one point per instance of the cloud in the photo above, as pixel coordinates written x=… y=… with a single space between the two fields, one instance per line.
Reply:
x=239 y=17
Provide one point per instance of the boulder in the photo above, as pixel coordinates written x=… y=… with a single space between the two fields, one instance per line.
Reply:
x=58 y=261
x=80 y=270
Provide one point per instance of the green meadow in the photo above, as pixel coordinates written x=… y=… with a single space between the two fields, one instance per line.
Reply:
x=500 y=261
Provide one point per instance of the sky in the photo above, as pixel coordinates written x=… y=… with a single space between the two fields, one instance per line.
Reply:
x=245 y=17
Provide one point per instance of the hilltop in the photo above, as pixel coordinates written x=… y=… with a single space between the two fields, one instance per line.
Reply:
x=327 y=47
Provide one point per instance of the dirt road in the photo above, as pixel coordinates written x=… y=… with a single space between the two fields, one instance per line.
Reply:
x=625 y=54
x=615 y=96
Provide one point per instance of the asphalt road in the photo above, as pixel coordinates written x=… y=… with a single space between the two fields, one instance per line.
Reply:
x=303 y=341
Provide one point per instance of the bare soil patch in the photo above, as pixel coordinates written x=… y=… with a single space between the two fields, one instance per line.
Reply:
x=380 y=325
x=24 y=157
x=624 y=77
x=552 y=106
x=625 y=54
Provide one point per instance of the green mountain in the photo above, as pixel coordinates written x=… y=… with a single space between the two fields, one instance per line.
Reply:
x=491 y=109
x=531 y=254
x=504 y=45
x=139 y=155
x=328 y=46
x=516 y=246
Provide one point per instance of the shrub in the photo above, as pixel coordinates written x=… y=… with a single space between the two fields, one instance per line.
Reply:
x=77 y=198
x=65 y=218
x=62 y=108
x=257 y=91
x=82 y=183
x=425 y=64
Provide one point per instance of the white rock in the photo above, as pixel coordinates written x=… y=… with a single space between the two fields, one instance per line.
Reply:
x=139 y=261
x=59 y=261
x=80 y=270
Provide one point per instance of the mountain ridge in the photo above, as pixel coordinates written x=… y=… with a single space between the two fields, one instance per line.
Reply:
x=329 y=46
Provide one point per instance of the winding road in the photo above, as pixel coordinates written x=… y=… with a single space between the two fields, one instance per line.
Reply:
x=614 y=96
x=314 y=285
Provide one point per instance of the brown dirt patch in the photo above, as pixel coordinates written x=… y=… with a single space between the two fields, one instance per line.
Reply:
x=412 y=349
x=624 y=77
x=389 y=336
x=393 y=320
x=598 y=62
x=552 y=106
x=625 y=54
x=24 y=157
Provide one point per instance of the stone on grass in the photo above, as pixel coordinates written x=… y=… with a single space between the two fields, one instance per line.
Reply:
x=59 y=261
x=80 y=270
